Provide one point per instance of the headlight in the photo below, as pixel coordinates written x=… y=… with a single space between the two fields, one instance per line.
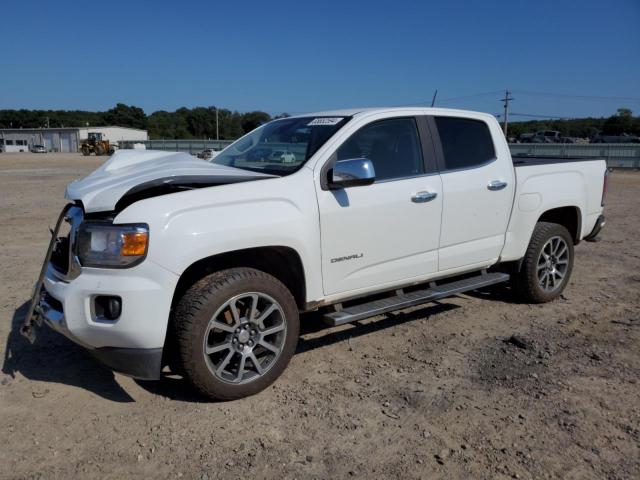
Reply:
x=112 y=246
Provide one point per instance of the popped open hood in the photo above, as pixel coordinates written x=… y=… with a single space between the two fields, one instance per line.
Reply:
x=131 y=175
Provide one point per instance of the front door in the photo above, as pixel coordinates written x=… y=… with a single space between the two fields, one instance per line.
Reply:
x=388 y=232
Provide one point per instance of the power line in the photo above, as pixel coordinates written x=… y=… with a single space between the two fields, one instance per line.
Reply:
x=451 y=99
x=533 y=115
x=578 y=97
x=464 y=97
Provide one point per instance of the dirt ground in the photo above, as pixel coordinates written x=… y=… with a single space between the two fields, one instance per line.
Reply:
x=440 y=391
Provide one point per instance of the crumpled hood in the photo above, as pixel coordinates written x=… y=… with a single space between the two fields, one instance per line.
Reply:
x=136 y=171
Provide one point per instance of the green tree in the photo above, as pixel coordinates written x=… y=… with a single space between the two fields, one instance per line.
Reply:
x=252 y=120
x=126 y=116
x=621 y=122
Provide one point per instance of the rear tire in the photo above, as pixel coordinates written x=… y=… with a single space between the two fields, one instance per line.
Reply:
x=86 y=151
x=236 y=331
x=546 y=266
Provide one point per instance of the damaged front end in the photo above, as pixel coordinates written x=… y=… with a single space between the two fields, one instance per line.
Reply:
x=127 y=177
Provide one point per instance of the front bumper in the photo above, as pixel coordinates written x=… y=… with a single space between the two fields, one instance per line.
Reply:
x=132 y=344
x=142 y=363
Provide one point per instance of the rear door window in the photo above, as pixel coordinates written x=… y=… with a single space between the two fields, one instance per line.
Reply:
x=466 y=143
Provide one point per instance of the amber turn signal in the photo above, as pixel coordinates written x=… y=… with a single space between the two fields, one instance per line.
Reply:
x=134 y=244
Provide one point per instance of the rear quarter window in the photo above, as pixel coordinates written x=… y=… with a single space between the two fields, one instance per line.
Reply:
x=466 y=143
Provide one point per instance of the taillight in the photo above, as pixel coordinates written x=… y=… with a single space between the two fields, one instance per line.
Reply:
x=605 y=187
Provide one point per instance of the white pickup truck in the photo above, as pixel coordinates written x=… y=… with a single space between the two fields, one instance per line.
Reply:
x=164 y=260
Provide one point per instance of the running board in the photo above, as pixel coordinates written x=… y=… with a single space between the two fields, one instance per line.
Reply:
x=405 y=300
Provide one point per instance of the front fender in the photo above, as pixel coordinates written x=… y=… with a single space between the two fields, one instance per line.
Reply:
x=188 y=226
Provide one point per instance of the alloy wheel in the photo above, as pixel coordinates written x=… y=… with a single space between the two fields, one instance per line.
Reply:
x=553 y=263
x=245 y=337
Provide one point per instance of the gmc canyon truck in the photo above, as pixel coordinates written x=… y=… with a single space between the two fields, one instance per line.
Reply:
x=163 y=260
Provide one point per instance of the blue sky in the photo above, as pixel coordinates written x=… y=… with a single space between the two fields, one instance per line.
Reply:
x=313 y=55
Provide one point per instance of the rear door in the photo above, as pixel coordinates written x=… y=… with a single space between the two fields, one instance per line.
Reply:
x=477 y=186
x=388 y=232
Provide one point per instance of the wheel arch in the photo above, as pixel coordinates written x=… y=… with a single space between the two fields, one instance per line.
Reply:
x=568 y=216
x=284 y=263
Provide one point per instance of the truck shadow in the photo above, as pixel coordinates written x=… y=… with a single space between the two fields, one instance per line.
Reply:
x=311 y=325
x=501 y=292
x=53 y=358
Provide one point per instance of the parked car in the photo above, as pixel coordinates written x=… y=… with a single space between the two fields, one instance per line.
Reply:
x=207 y=154
x=38 y=149
x=546 y=136
x=259 y=154
x=206 y=266
x=526 y=137
x=624 y=138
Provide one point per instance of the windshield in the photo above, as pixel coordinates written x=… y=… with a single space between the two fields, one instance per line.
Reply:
x=280 y=147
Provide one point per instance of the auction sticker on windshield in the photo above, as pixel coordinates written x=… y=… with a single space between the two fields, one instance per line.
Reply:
x=325 y=121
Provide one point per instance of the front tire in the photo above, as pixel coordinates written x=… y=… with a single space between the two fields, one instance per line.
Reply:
x=547 y=264
x=236 y=332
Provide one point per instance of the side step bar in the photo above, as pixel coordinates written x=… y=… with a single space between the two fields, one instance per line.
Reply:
x=405 y=300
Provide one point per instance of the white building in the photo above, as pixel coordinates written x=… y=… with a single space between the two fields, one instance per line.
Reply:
x=63 y=139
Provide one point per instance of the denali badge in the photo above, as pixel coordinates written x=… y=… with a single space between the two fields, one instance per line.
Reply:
x=348 y=257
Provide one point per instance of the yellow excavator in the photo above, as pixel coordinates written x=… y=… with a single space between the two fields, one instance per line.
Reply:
x=95 y=144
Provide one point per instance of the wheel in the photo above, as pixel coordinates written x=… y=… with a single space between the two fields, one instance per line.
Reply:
x=99 y=149
x=547 y=264
x=236 y=331
x=86 y=151
x=112 y=151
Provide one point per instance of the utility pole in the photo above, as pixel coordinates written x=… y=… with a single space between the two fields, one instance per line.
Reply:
x=217 y=130
x=433 y=100
x=507 y=98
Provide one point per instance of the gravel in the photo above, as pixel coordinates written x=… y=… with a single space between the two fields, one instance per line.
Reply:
x=476 y=386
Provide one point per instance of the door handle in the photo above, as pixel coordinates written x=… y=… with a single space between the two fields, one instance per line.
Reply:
x=496 y=185
x=422 y=197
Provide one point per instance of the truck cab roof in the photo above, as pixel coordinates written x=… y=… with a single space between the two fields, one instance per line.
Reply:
x=353 y=112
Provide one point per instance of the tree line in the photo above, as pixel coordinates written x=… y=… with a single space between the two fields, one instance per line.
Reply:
x=622 y=122
x=200 y=122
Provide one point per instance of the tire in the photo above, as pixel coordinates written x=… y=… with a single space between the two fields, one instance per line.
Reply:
x=530 y=283
x=99 y=150
x=208 y=333
x=86 y=151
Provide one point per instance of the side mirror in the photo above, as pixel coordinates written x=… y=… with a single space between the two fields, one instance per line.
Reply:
x=351 y=173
